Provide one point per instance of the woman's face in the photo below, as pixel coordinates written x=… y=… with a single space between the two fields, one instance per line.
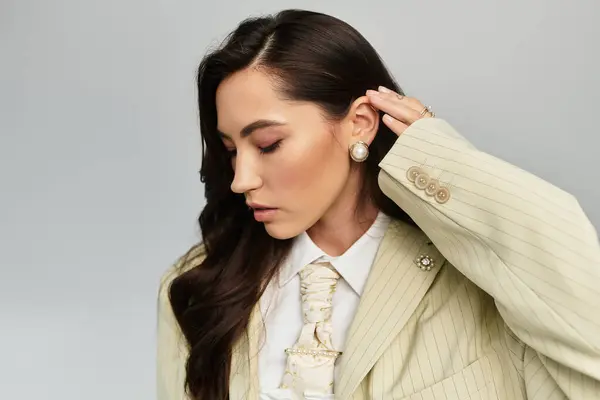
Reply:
x=289 y=161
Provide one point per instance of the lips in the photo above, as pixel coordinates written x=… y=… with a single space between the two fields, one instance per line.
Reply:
x=263 y=213
x=259 y=206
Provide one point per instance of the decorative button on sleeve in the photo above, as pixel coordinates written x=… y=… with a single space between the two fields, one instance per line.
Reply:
x=412 y=173
x=442 y=195
x=422 y=181
x=432 y=188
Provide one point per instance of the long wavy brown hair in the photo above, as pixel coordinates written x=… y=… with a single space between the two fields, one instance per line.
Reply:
x=314 y=58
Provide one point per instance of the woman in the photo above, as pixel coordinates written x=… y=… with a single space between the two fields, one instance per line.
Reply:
x=354 y=246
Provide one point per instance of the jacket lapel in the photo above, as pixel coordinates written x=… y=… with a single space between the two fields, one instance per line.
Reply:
x=243 y=381
x=394 y=289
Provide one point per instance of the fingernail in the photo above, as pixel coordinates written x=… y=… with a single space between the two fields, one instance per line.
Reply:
x=387 y=118
x=372 y=92
x=383 y=89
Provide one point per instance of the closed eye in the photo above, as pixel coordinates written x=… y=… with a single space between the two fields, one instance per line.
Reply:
x=271 y=148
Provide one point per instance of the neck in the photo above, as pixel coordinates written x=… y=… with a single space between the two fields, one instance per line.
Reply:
x=343 y=224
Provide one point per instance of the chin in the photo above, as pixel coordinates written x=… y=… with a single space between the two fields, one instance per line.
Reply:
x=282 y=231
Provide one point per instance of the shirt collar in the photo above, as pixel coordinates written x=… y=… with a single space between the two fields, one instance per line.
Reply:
x=354 y=265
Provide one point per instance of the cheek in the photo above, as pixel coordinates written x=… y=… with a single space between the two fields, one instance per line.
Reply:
x=310 y=171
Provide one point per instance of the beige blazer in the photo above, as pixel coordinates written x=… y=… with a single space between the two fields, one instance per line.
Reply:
x=510 y=309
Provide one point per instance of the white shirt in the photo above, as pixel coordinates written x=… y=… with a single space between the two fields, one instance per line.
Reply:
x=281 y=305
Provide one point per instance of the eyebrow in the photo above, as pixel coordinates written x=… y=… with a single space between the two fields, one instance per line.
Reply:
x=259 y=124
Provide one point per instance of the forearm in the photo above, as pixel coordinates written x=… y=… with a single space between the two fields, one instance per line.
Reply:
x=522 y=240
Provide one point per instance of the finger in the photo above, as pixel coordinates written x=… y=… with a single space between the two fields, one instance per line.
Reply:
x=396 y=108
x=396 y=126
x=411 y=102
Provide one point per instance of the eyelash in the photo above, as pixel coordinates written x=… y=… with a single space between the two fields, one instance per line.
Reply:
x=270 y=148
x=263 y=150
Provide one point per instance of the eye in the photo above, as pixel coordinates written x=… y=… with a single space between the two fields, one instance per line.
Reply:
x=271 y=148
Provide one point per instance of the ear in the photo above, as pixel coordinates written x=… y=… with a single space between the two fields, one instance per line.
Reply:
x=362 y=121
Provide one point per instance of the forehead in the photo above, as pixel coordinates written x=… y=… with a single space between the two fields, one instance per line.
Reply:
x=244 y=97
x=249 y=95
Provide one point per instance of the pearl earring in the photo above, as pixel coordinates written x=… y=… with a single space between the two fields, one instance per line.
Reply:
x=359 y=151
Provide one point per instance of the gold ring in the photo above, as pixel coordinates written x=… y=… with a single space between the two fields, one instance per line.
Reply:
x=425 y=110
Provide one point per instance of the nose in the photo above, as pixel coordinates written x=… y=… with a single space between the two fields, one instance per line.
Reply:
x=246 y=177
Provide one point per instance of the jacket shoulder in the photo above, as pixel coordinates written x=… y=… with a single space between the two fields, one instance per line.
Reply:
x=191 y=259
x=172 y=348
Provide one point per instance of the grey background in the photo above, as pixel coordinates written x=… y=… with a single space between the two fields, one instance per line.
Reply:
x=99 y=150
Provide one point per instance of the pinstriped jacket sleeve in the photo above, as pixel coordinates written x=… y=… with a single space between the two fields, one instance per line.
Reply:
x=522 y=240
